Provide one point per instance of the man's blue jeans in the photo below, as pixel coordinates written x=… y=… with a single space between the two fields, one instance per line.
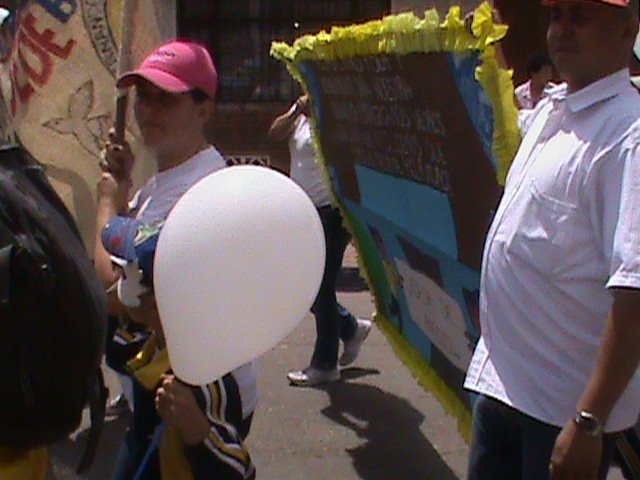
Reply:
x=333 y=321
x=509 y=445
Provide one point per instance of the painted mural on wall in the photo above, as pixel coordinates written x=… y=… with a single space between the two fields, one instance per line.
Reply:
x=58 y=61
x=416 y=126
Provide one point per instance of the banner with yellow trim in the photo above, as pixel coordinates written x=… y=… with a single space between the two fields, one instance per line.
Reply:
x=416 y=126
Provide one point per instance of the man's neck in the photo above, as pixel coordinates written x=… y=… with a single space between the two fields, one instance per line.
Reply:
x=576 y=84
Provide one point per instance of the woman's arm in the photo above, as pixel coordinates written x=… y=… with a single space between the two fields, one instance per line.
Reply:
x=282 y=127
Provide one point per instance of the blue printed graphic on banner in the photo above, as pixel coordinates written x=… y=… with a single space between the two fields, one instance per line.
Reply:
x=424 y=211
x=62 y=10
x=479 y=108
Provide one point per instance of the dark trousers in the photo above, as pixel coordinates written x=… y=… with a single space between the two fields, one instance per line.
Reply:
x=333 y=321
x=509 y=445
x=142 y=425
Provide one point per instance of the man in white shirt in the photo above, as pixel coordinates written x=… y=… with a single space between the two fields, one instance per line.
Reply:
x=560 y=302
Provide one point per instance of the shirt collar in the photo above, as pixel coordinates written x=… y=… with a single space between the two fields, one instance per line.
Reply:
x=184 y=166
x=598 y=91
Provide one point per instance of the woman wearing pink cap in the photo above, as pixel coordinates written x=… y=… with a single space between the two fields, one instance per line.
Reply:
x=205 y=426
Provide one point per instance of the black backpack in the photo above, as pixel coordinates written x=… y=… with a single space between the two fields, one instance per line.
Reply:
x=53 y=313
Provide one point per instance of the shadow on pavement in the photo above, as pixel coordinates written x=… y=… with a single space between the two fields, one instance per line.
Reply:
x=66 y=455
x=395 y=447
x=353 y=373
x=349 y=280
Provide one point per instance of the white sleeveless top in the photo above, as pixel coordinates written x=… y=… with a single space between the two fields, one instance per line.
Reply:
x=305 y=167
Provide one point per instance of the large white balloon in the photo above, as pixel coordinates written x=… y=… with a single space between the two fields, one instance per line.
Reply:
x=238 y=264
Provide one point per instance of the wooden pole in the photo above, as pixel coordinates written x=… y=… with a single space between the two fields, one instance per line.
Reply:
x=124 y=65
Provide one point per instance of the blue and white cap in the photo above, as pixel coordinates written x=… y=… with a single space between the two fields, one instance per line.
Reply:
x=132 y=245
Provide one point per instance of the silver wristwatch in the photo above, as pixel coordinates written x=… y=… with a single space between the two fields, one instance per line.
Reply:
x=588 y=423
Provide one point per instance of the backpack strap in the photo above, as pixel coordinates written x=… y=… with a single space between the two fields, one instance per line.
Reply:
x=5 y=274
x=98 y=394
x=6 y=250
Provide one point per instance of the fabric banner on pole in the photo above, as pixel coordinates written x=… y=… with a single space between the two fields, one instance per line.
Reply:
x=416 y=126
x=57 y=68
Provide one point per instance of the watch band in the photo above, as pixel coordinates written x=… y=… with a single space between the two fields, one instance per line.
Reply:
x=588 y=423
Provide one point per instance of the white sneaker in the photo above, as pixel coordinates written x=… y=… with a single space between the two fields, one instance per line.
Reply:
x=352 y=347
x=118 y=406
x=311 y=376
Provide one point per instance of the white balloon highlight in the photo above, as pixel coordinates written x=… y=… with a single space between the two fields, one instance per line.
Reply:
x=238 y=264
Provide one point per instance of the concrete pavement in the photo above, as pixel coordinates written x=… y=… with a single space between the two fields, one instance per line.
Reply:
x=377 y=424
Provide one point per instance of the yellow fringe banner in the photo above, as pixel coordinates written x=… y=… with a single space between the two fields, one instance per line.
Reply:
x=405 y=34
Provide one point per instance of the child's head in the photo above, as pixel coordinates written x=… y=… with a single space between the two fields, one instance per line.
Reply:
x=130 y=240
x=132 y=245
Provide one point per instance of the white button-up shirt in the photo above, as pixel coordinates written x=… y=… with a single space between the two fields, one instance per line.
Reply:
x=550 y=253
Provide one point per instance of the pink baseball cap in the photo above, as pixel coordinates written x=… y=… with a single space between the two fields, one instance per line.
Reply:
x=176 y=67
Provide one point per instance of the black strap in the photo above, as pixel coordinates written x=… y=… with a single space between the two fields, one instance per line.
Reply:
x=6 y=251
x=97 y=406
x=5 y=275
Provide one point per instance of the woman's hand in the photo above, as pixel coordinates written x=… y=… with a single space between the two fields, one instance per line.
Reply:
x=107 y=185
x=576 y=455
x=118 y=158
x=115 y=183
x=303 y=105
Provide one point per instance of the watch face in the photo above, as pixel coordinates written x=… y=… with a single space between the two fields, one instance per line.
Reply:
x=587 y=423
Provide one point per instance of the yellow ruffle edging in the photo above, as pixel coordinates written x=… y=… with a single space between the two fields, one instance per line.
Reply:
x=406 y=33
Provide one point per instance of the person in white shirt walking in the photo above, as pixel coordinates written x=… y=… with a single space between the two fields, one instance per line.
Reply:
x=333 y=321
x=555 y=367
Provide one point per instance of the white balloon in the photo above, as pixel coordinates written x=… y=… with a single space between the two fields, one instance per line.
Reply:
x=238 y=264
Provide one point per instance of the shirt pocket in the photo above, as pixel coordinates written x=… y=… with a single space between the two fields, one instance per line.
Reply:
x=542 y=234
